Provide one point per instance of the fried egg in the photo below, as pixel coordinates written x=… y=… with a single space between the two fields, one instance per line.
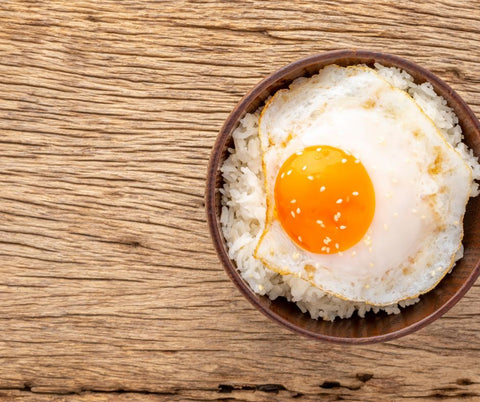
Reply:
x=365 y=198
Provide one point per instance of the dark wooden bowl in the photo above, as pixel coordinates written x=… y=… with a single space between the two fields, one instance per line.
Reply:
x=375 y=327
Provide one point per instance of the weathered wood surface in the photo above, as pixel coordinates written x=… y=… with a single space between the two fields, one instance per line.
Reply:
x=109 y=287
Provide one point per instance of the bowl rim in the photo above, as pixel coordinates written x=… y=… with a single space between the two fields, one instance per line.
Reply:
x=231 y=122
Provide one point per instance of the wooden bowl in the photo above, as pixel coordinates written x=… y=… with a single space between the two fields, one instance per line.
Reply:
x=375 y=327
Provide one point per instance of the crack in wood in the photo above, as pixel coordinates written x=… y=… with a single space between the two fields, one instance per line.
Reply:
x=27 y=387
x=364 y=377
x=337 y=384
x=464 y=381
x=440 y=395
x=269 y=388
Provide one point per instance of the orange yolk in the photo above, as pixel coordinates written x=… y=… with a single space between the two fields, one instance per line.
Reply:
x=324 y=199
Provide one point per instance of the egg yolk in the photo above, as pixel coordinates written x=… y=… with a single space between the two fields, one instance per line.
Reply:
x=324 y=199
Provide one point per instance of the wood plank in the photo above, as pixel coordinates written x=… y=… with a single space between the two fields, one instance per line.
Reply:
x=110 y=288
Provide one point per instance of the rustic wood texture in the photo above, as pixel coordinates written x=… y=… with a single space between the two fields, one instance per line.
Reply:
x=110 y=288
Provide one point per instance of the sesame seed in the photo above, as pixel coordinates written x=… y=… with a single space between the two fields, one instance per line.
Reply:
x=320 y=223
x=299 y=239
x=282 y=175
x=322 y=189
x=319 y=149
x=293 y=201
x=432 y=273
x=296 y=256
x=260 y=287
x=355 y=193
x=354 y=253
x=289 y=172
x=298 y=210
x=293 y=214
x=337 y=216
x=357 y=160
x=367 y=286
x=310 y=177
x=344 y=160
x=323 y=248
x=304 y=168
x=328 y=249
x=342 y=227
x=337 y=246
x=385 y=226
x=317 y=265
x=340 y=253
x=339 y=201
x=327 y=240
x=299 y=153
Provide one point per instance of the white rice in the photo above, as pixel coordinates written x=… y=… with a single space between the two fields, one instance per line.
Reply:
x=243 y=210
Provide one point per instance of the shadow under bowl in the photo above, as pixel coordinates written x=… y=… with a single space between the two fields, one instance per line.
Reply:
x=374 y=327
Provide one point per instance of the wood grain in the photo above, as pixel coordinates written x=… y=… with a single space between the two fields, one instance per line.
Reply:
x=110 y=288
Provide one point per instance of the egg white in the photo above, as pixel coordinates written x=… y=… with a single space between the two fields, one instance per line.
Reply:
x=421 y=185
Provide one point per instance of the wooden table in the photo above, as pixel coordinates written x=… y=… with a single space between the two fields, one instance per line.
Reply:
x=110 y=288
